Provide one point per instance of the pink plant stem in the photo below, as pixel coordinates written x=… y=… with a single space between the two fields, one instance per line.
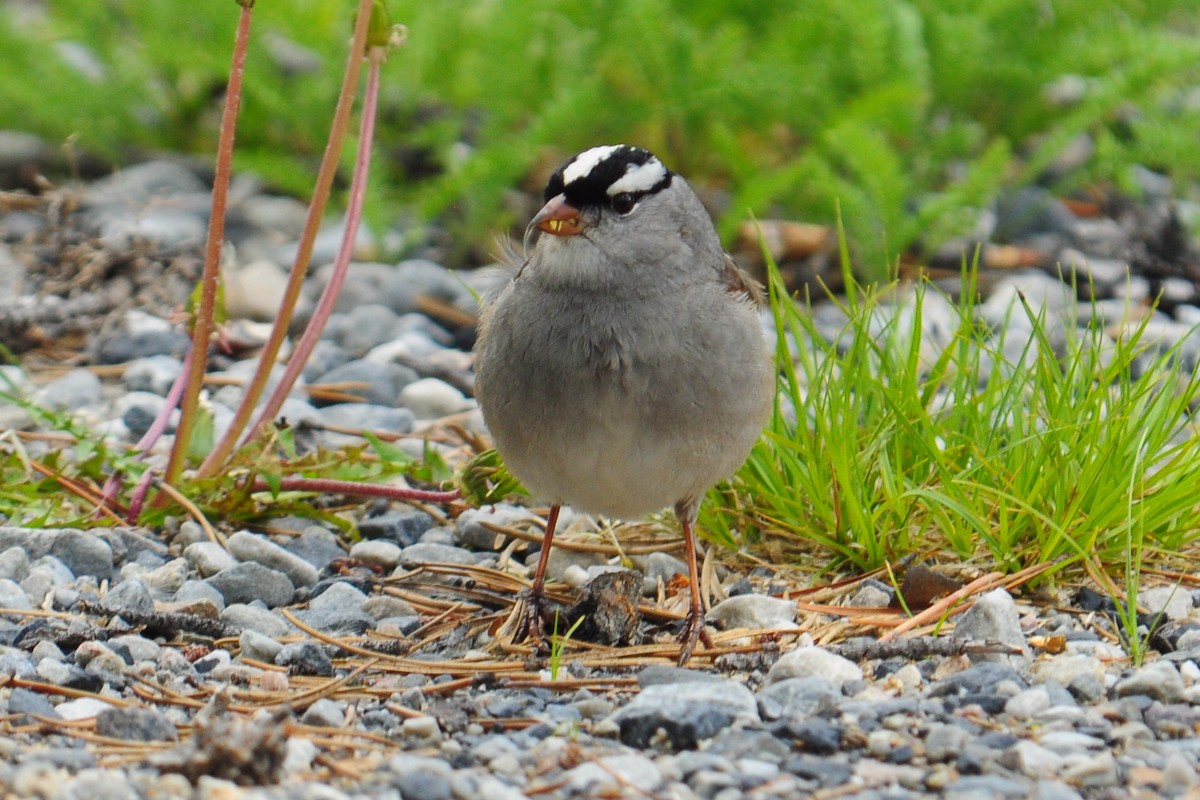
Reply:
x=341 y=266
x=152 y=434
x=138 y=498
x=203 y=322
x=325 y=176
x=356 y=489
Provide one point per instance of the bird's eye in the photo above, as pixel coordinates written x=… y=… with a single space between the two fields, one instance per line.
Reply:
x=623 y=203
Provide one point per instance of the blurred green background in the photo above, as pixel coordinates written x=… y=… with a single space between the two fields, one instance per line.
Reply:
x=910 y=114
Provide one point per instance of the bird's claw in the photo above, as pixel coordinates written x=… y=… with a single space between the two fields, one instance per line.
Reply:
x=693 y=631
x=535 y=615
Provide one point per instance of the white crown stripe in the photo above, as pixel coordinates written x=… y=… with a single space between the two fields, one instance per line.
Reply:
x=641 y=178
x=586 y=161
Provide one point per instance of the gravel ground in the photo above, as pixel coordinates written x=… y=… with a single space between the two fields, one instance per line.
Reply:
x=292 y=662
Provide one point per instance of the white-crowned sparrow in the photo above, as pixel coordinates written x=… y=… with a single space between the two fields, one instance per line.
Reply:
x=624 y=369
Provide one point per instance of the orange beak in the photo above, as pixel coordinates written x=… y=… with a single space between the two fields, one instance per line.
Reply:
x=558 y=218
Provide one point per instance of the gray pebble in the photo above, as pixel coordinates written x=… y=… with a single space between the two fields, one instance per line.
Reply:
x=209 y=558
x=81 y=551
x=686 y=713
x=1159 y=680
x=422 y=553
x=249 y=547
x=324 y=712
x=136 y=724
x=471 y=527
x=385 y=554
x=13 y=596
x=256 y=618
x=421 y=777
x=317 y=546
x=24 y=701
x=152 y=374
x=994 y=618
x=402 y=527
x=14 y=564
x=379 y=384
x=382 y=606
x=798 y=697
x=754 y=611
x=193 y=591
x=132 y=596
x=258 y=647
x=305 y=658
x=814 y=662
x=249 y=581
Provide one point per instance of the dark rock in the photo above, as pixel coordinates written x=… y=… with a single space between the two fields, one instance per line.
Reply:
x=136 y=724
x=305 y=658
x=401 y=527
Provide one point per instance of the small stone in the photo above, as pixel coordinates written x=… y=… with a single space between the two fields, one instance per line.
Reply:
x=254 y=291
x=154 y=374
x=382 y=606
x=1034 y=761
x=754 y=611
x=379 y=384
x=814 y=662
x=1173 y=601
x=136 y=724
x=475 y=526
x=1159 y=681
x=818 y=736
x=994 y=618
x=659 y=568
x=686 y=713
x=14 y=597
x=383 y=553
x=209 y=558
x=421 y=777
x=81 y=551
x=81 y=708
x=402 y=527
x=424 y=553
x=612 y=773
x=324 y=713
x=1096 y=771
x=255 y=618
x=305 y=658
x=258 y=647
x=24 y=701
x=430 y=398
x=249 y=547
x=798 y=697
x=250 y=581
x=131 y=595
x=945 y=742
x=76 y=389
x=317 y=546
x=1028 y=704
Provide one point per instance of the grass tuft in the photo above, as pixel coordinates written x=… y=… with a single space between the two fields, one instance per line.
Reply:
x=911 y=428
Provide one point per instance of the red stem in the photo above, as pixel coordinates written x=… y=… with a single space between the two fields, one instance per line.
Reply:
x=355 y=489
x=203 y=320
x=341 y=267
x=325 y=176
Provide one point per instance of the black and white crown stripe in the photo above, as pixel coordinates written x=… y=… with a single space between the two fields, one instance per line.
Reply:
x=595 y=175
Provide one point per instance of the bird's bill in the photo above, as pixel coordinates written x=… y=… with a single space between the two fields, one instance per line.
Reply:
x=559 y=218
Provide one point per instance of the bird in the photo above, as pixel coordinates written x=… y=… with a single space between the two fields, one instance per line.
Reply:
x=623 y=369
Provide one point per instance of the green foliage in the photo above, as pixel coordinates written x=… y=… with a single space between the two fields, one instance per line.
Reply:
x=904 y=111
x=1076 y=447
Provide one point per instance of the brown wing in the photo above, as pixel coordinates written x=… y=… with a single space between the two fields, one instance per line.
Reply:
x=739 y=283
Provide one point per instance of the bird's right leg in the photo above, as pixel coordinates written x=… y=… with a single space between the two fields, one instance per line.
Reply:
x=534 y=618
